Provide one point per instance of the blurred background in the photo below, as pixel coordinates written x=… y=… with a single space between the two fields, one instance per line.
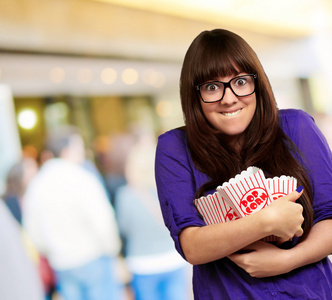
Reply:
x=111 y=67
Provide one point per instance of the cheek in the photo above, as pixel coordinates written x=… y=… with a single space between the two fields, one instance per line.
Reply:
x=208 y=109
x=251 y=105
x=253 y=109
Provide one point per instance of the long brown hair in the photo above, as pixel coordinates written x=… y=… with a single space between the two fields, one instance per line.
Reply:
x=220 y=53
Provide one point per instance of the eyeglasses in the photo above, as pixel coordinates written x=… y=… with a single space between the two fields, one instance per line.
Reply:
x=214 y=91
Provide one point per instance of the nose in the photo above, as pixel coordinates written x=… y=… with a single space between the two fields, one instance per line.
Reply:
x=229 y=97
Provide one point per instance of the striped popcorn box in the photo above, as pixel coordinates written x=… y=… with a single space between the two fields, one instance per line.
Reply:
x=281 y=186
x=247 y=192
x=214 y=209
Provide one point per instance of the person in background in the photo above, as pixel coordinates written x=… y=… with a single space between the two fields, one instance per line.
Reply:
x=67 y=215
x=157 y=270
x=114 y=162
x=232 y=123
x=19 y=279
x=17 y=181
x=18 y=178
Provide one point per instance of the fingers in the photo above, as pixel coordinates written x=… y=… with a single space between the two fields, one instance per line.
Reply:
x=287 y=216
x=233 y=257
x=300 y=189
x=298 y=233
x=293 y=196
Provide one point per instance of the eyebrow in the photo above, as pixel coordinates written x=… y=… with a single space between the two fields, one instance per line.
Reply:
x=233 y=76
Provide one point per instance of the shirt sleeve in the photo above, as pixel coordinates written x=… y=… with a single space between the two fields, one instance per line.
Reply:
x=317 y=159
x=176 y=184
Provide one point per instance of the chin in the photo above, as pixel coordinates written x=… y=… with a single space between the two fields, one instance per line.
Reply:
x=232 y=133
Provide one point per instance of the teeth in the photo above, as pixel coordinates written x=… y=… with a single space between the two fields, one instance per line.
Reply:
x=232 y=113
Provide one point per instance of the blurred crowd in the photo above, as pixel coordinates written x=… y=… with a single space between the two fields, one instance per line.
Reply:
x=77 y=227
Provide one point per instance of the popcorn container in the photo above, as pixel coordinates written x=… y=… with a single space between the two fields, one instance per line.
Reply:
x=214 y=209
x=281 y=186
x=243 y=195
x=247 y=192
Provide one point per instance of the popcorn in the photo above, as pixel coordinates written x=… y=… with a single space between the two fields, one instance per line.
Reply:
x=243 y=195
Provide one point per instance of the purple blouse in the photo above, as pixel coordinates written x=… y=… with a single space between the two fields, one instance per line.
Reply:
x=177 y=180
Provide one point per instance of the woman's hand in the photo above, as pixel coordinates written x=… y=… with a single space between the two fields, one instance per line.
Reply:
x=262 y=259
x=283 y=217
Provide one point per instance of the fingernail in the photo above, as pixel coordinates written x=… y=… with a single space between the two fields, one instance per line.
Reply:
x=299 y=189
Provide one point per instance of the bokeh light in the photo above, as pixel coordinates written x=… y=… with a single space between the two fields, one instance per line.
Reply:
x=27 y=118
x=108 y=76
x=57 y=75
x=129 y=76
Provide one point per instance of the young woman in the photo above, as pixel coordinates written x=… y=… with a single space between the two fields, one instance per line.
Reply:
x=232 y=122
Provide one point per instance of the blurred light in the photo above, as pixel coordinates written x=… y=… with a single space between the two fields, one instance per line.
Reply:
x=164 y=109
x=287 y=18
x=27 y=118
x=108 y=76
x=57 y=75
x=84 y=75
x=129 y=76
x=153 y=78
x=0 y=72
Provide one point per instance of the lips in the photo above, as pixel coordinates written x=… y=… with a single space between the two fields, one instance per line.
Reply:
x=231 y=113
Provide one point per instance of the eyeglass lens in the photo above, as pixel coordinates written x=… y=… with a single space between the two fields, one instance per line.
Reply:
x=214 y=90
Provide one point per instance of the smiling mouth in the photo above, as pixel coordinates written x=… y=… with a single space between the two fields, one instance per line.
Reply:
x=229 y=114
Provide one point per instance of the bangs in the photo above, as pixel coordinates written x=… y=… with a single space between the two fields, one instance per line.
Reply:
x=220 y=59
x=214 y=68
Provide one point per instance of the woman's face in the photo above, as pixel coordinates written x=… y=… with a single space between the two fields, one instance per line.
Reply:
x=232 y=114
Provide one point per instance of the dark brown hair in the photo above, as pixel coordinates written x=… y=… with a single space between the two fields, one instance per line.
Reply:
x=220 y=53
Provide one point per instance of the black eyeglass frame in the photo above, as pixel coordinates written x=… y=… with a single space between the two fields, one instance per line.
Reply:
x=226 y=85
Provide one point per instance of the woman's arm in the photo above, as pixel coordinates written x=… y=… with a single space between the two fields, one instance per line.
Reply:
x=283 y=218
x=266 y=260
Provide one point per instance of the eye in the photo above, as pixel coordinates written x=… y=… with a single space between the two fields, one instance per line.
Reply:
x=211 y=87
x=240 y=81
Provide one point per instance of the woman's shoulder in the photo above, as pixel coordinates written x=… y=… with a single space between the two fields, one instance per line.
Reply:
x=294 y=119
x=173 y=145
x=293 y=113
x=173 y=138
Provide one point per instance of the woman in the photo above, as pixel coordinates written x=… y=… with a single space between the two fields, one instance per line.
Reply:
x=232 y=122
